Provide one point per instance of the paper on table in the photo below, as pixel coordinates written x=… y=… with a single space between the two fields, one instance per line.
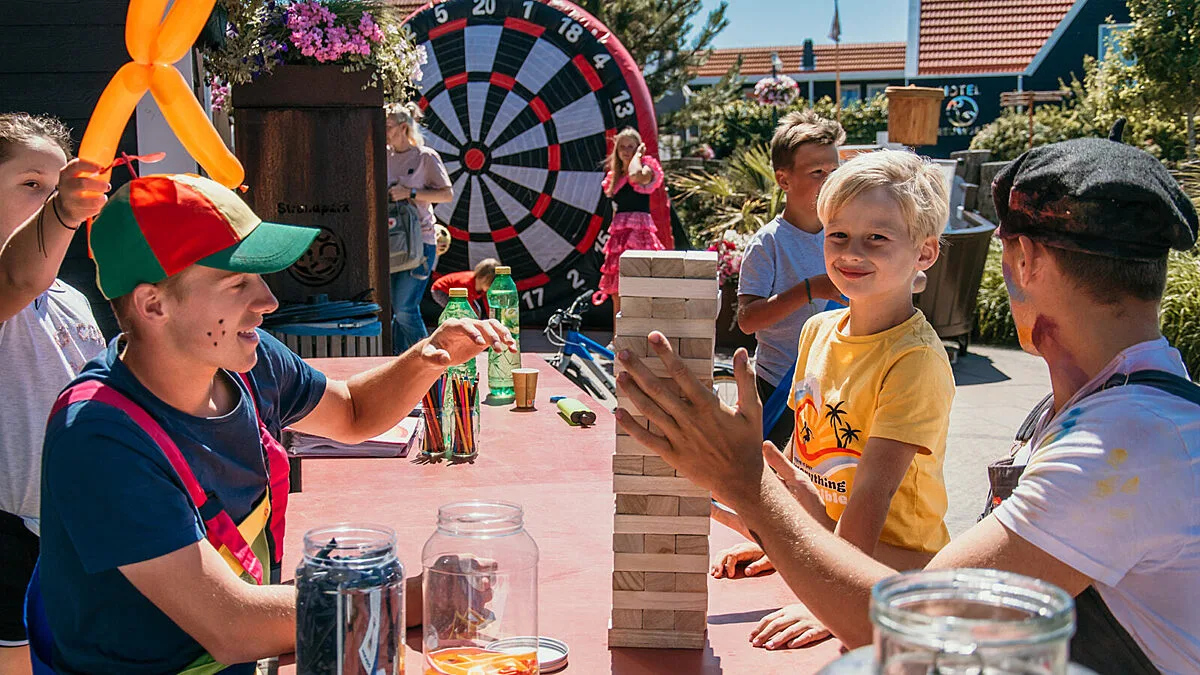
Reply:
x=394 y=442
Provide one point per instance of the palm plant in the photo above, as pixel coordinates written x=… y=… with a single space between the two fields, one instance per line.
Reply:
x=744 y=196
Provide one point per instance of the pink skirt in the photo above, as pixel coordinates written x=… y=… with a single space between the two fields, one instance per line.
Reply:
x=634 y=231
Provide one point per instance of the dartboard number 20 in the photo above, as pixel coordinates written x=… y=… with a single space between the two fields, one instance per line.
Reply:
x=520 y=99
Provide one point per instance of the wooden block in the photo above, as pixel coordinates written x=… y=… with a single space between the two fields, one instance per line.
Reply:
x=696 y=348
x=645 y=287
x=629 y=581
x=654 y=639
x=629 y=543
x=628 y=445
x=690 y=544
x=688 y=621
x=647 y=505
x=627 y=618
x=695 y=506
x=660 y=582
x=700 y=265
x=668 y=264
x=656 y=543
x=629 y=465
x=701 y=368
x=649 y=562
x=645 y=424
x=663 y=524
x=655 y=466
x=635 y=264
x=697 y=309
x=634 y=307
x=636 y=344
x=682 y=328
x=666 y=308
x=691 y=583
x=657 y=485
x=658 y=619
x=644 y=600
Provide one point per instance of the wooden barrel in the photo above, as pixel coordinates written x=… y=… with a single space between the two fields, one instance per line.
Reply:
x=313 y=143
x=913 y=114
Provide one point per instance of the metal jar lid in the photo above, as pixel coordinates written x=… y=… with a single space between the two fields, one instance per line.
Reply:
x=551 y=653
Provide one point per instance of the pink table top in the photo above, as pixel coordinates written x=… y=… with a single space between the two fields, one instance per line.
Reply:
x=562 y=475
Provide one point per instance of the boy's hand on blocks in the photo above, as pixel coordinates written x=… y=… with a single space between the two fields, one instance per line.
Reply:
x=728 y=564
x=458 y=340
x=788 y=628
x=713 y=445
x=80 y=192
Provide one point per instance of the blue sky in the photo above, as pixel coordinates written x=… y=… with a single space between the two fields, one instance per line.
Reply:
x=764 y=23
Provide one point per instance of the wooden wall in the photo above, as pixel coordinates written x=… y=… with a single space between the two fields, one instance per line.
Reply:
x=56 y=56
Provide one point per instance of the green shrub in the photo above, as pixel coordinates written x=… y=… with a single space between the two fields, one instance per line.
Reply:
x=993 y=317
x=744 y=123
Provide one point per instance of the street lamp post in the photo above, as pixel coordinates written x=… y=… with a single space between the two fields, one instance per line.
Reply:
x=776 y=69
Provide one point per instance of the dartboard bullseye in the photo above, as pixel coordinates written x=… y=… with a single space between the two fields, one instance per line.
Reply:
x=521 y=99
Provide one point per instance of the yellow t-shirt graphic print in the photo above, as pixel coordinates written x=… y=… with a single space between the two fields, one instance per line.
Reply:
x=896 y=385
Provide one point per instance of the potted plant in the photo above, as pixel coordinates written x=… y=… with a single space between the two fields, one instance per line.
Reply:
x=776 y=90
x=304 y=47
x=730 y=248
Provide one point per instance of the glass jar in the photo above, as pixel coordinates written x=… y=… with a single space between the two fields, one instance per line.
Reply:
x=350 y=603
x=480 y=591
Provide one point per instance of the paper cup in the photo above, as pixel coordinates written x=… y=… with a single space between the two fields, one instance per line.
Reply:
x=525 y=386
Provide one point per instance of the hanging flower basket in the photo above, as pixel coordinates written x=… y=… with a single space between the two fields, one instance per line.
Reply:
x=778 y=91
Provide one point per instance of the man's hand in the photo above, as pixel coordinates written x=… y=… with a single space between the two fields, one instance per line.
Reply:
x=788 y=628
x=725 y=563
x=715 y=446
x=80 y=192
x=459 y=340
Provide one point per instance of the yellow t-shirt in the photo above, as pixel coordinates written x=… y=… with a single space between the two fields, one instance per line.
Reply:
x=896 y=385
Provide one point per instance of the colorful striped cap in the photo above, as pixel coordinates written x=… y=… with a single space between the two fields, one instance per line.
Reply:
x=155 y=226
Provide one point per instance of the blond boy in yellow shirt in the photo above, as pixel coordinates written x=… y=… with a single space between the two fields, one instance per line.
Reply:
x=873 y=387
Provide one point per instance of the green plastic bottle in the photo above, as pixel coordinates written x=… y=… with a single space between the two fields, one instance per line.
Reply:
x=504 y=303
x=457 y=308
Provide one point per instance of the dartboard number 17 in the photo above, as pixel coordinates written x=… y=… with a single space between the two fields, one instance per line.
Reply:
x=520 y=99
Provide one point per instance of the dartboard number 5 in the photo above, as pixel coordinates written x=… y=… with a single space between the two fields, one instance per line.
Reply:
x=484 y=7
x=570 y=30
x=530 y=295
x=440 y=13
x=623 y=104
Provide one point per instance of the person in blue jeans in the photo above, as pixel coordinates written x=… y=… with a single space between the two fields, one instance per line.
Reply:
x=415 y=173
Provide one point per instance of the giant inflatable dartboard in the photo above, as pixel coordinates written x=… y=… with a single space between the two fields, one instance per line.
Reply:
x=522 y=99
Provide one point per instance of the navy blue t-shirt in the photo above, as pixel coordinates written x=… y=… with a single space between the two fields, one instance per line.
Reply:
x=111 y=498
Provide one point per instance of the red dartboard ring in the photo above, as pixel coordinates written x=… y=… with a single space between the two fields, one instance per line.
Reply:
x=521 y=100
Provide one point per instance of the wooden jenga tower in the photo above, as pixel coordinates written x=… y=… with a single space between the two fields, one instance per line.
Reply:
x=660 y=531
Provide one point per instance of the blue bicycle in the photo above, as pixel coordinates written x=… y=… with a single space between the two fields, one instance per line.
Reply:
x=577 y=357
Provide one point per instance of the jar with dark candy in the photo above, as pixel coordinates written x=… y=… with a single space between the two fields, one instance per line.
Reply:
x=350 y=603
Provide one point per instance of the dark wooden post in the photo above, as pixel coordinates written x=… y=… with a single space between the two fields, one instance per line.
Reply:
x=312 y=140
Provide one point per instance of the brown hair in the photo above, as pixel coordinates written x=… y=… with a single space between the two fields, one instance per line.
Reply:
x=486 y=269
x=18 y=128
x=1108 y=280
x=800 y=128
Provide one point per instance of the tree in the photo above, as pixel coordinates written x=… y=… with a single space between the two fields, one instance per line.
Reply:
x=662 y=38
x=1165 y=40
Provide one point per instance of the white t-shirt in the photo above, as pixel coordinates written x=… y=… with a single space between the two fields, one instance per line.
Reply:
x=1112 y=488
x=42 y=348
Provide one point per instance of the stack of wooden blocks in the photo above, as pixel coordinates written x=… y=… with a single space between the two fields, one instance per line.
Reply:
x=660 y=531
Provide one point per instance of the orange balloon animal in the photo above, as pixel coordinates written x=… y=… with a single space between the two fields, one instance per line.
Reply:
x=154 y=44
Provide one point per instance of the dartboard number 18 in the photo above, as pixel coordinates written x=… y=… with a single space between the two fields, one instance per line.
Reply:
x=520 y=99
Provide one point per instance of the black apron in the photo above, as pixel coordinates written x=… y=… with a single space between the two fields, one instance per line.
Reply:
x=1100 y=641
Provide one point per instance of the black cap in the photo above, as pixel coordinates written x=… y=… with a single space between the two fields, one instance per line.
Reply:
x=1095 y=196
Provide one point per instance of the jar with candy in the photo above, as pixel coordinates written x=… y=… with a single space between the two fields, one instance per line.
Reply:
x=480 y=592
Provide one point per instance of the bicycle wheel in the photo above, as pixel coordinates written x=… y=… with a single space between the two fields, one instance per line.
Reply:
x=725 y=386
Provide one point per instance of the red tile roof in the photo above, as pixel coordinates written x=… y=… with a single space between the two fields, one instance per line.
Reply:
x=407 y=6
x=853 y=57
x=985 y=36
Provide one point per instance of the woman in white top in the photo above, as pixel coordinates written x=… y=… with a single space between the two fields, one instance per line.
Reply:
x=47 y=334
x=416 y=174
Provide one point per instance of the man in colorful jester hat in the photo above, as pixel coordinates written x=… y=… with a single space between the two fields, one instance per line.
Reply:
x=163 y=487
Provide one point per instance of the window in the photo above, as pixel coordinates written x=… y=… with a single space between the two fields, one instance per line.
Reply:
x=851 y=94
x=1109 y=34
x=874 y=90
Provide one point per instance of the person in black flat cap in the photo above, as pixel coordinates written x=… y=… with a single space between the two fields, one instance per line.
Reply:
x=1102 y=494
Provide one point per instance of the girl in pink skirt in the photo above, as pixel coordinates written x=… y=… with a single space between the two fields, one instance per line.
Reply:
x=632 y=177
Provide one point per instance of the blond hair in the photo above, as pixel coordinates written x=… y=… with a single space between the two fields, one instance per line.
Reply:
x=409 y=114
x=800 y=128
x=613 y=164
x=917 y=185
